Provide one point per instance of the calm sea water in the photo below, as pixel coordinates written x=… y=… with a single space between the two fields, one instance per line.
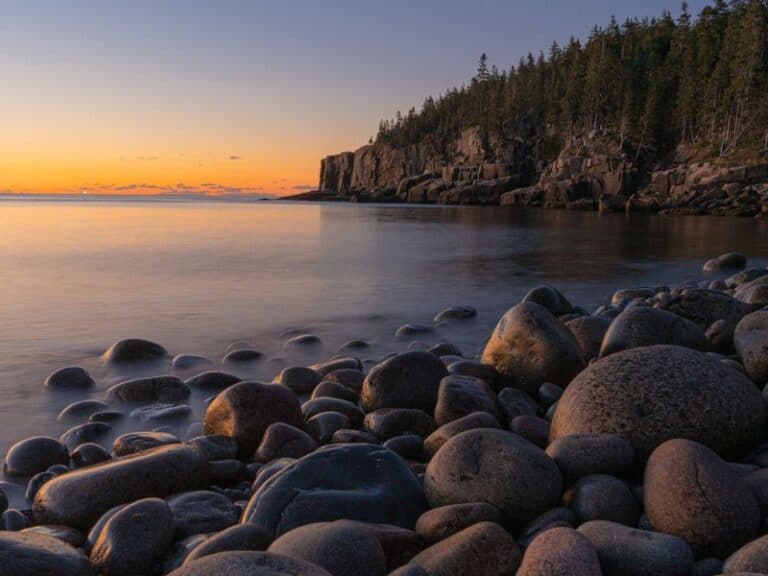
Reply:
x=200 y=276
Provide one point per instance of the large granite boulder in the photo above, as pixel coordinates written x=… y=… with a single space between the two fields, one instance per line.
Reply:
x=496 y=467
x=343 y=481
x=245 y=410
x=79 y=498
x=529 y=346
x=650 y=395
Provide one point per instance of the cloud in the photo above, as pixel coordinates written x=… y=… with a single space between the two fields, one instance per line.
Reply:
x=234 y=157
x=303 y=187
x=180 y=188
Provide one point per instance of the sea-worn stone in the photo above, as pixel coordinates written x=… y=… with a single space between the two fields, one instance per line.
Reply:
x=551 y=299
x=325 y=425
x=89 y=454
x=459 y=396
x=215 y=446
x=36 y=482
x=352 y=378
x=589 y=332
x=201 y=512
x=497 y=467
x=642 y=326
x=348 y=436
x=407 y=446
x=328 y=389
x=625 y=551
x=64 y=533
x=444 y=350
x=88 y=432
x=399 y=544
x=453 y=313
x=649 y=395
x=387 y=423
x=440 y=523
x=470 y=422
x=146 y=390
x=602 y=497
x=79 y=498
x=239 y=537
x=317 y=406
x=560 y=552
x=243 y=356
x=548 y=394
x=135 y=350
x=161 y=412
x=343 y=547
x=14 y=521
x=559 y=517
x=704 y=307
x=752 y=557
x=302 y=341
x=483 y=549
x=532 y=428
x=529 y=346
x=300 y=379
x=754 y=293
x=751 y=341
x=212 y=381
x=282 y=440
x=409 y=380
x=33 y=455
x=71 y=378
x=580 y=455
x=189 y=361
x=691 y=493
x=81 y=410
x=514 y=403
x=34 y=554
x=474 y=368
x=729 y=261
x=134 y=540
x=413 y=329
x=266 y=471
x=626 y=294
x=353 y=481
x=248 y=563
x=133 y=442
x=325 y=369
x=245 y=410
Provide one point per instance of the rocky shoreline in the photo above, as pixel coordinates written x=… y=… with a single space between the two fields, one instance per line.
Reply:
x=629 y=440
x=591 y=172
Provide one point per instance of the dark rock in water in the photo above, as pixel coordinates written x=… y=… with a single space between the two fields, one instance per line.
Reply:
x=627 y=551
x=409 y=380
x=135 y=350
x=134 y=540
x=34 y=554
x=215 y=446
x=740 y=278
x=79 y=498
x=64 y=533
x=751 y=341
x=621 y=296
x=284 y=441
x=154 y=389
x=497 y=467
x=81 y=410
x=240 y=537
x=455 y=313
x=243 y=356
x=459 y=396
x=36 y=482
x=162 y=413
x=704 y=307
x=729 y=261
x=440 y=523
x=407 y=446
x=691 y=493
x=354 y=345
x=641 y=326
x=329 y=389
x=601 y=497
x=245 y=410
x=581 y=455
x=84 y=433
x=352 y=378
x=529 y=346
x=343 y=547
x=106 y=416
x=213 y=381
x=445 y=349
x=133 y=442
x=560 y=552
x=247 y=563
x=440 y=436
x=347 y=436
x=649 y=395
x=14 y=521
x=560 y=517
x=72 y=378
x=89 y=454
x=347 y=481
x=268 y=470
x=302 y=341
x=408 y=330
x=390 y=422
x=320 y=405
x=202 y=512
x=551 y=299
x=750 y=558
x=342 y=363
x=484 y=549
x=187 y=361
x=323 y=426
x=299 y=379
x=33 y=455
x=532 y=428
x=754 y=293
x=589 y=332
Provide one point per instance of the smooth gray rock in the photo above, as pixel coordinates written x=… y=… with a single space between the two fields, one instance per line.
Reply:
x=89 y=454
x=133 y=442
x=602 y=497
x=71 y=378
x=135 y=350
x=459 y=396
x=439 y=523
x=470 y=422
x=317 y=406
x=201 y=512
x=212 y=381
x=589 y=332
x=580 y=455
x=324 y=426
x=751 y=342
x=248 y=563
x=33 y=455
x=387 y=423
x=551 y=299
x=146 y=390
x=560 y=551
x=34 y=554
x=300 y=379
x=242 y=537
x=282 y=440
x=752 y=557
x=729 y=261
x=84 y=433
x=81 y=410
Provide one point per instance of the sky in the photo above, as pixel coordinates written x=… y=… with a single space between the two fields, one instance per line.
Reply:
x=241 y=96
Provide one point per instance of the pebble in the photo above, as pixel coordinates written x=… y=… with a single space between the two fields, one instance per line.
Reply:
x=72 y=378
x=34 y=455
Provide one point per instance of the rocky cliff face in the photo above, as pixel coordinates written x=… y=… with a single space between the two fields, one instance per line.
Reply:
x=590 y=173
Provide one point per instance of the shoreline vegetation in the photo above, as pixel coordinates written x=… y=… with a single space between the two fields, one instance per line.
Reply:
x=652 y=115
x=631 y=440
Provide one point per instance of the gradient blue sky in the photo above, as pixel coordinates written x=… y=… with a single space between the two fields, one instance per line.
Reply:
x=220 y=95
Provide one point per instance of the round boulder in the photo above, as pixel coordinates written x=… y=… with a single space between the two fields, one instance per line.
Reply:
x=752 y=557
x=551 y=299
x=589 y=332
x=282 y=440
x=248 y=563
x=440 y=523
x=72 y=378
x=33 y=455
x=34 y=554
x=584 y=454
x=239 y=537
x=729 y=261
x=751 y=341
x=202 y=512
x=529 y=346
x=146 y=390
x=496 y=467
x=650 y=395
x=134 y=350
x=470 y=422
x=560 y=552
x=459 y=396
x=601 y=497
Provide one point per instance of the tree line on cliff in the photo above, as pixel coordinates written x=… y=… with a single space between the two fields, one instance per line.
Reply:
x=661 y=87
